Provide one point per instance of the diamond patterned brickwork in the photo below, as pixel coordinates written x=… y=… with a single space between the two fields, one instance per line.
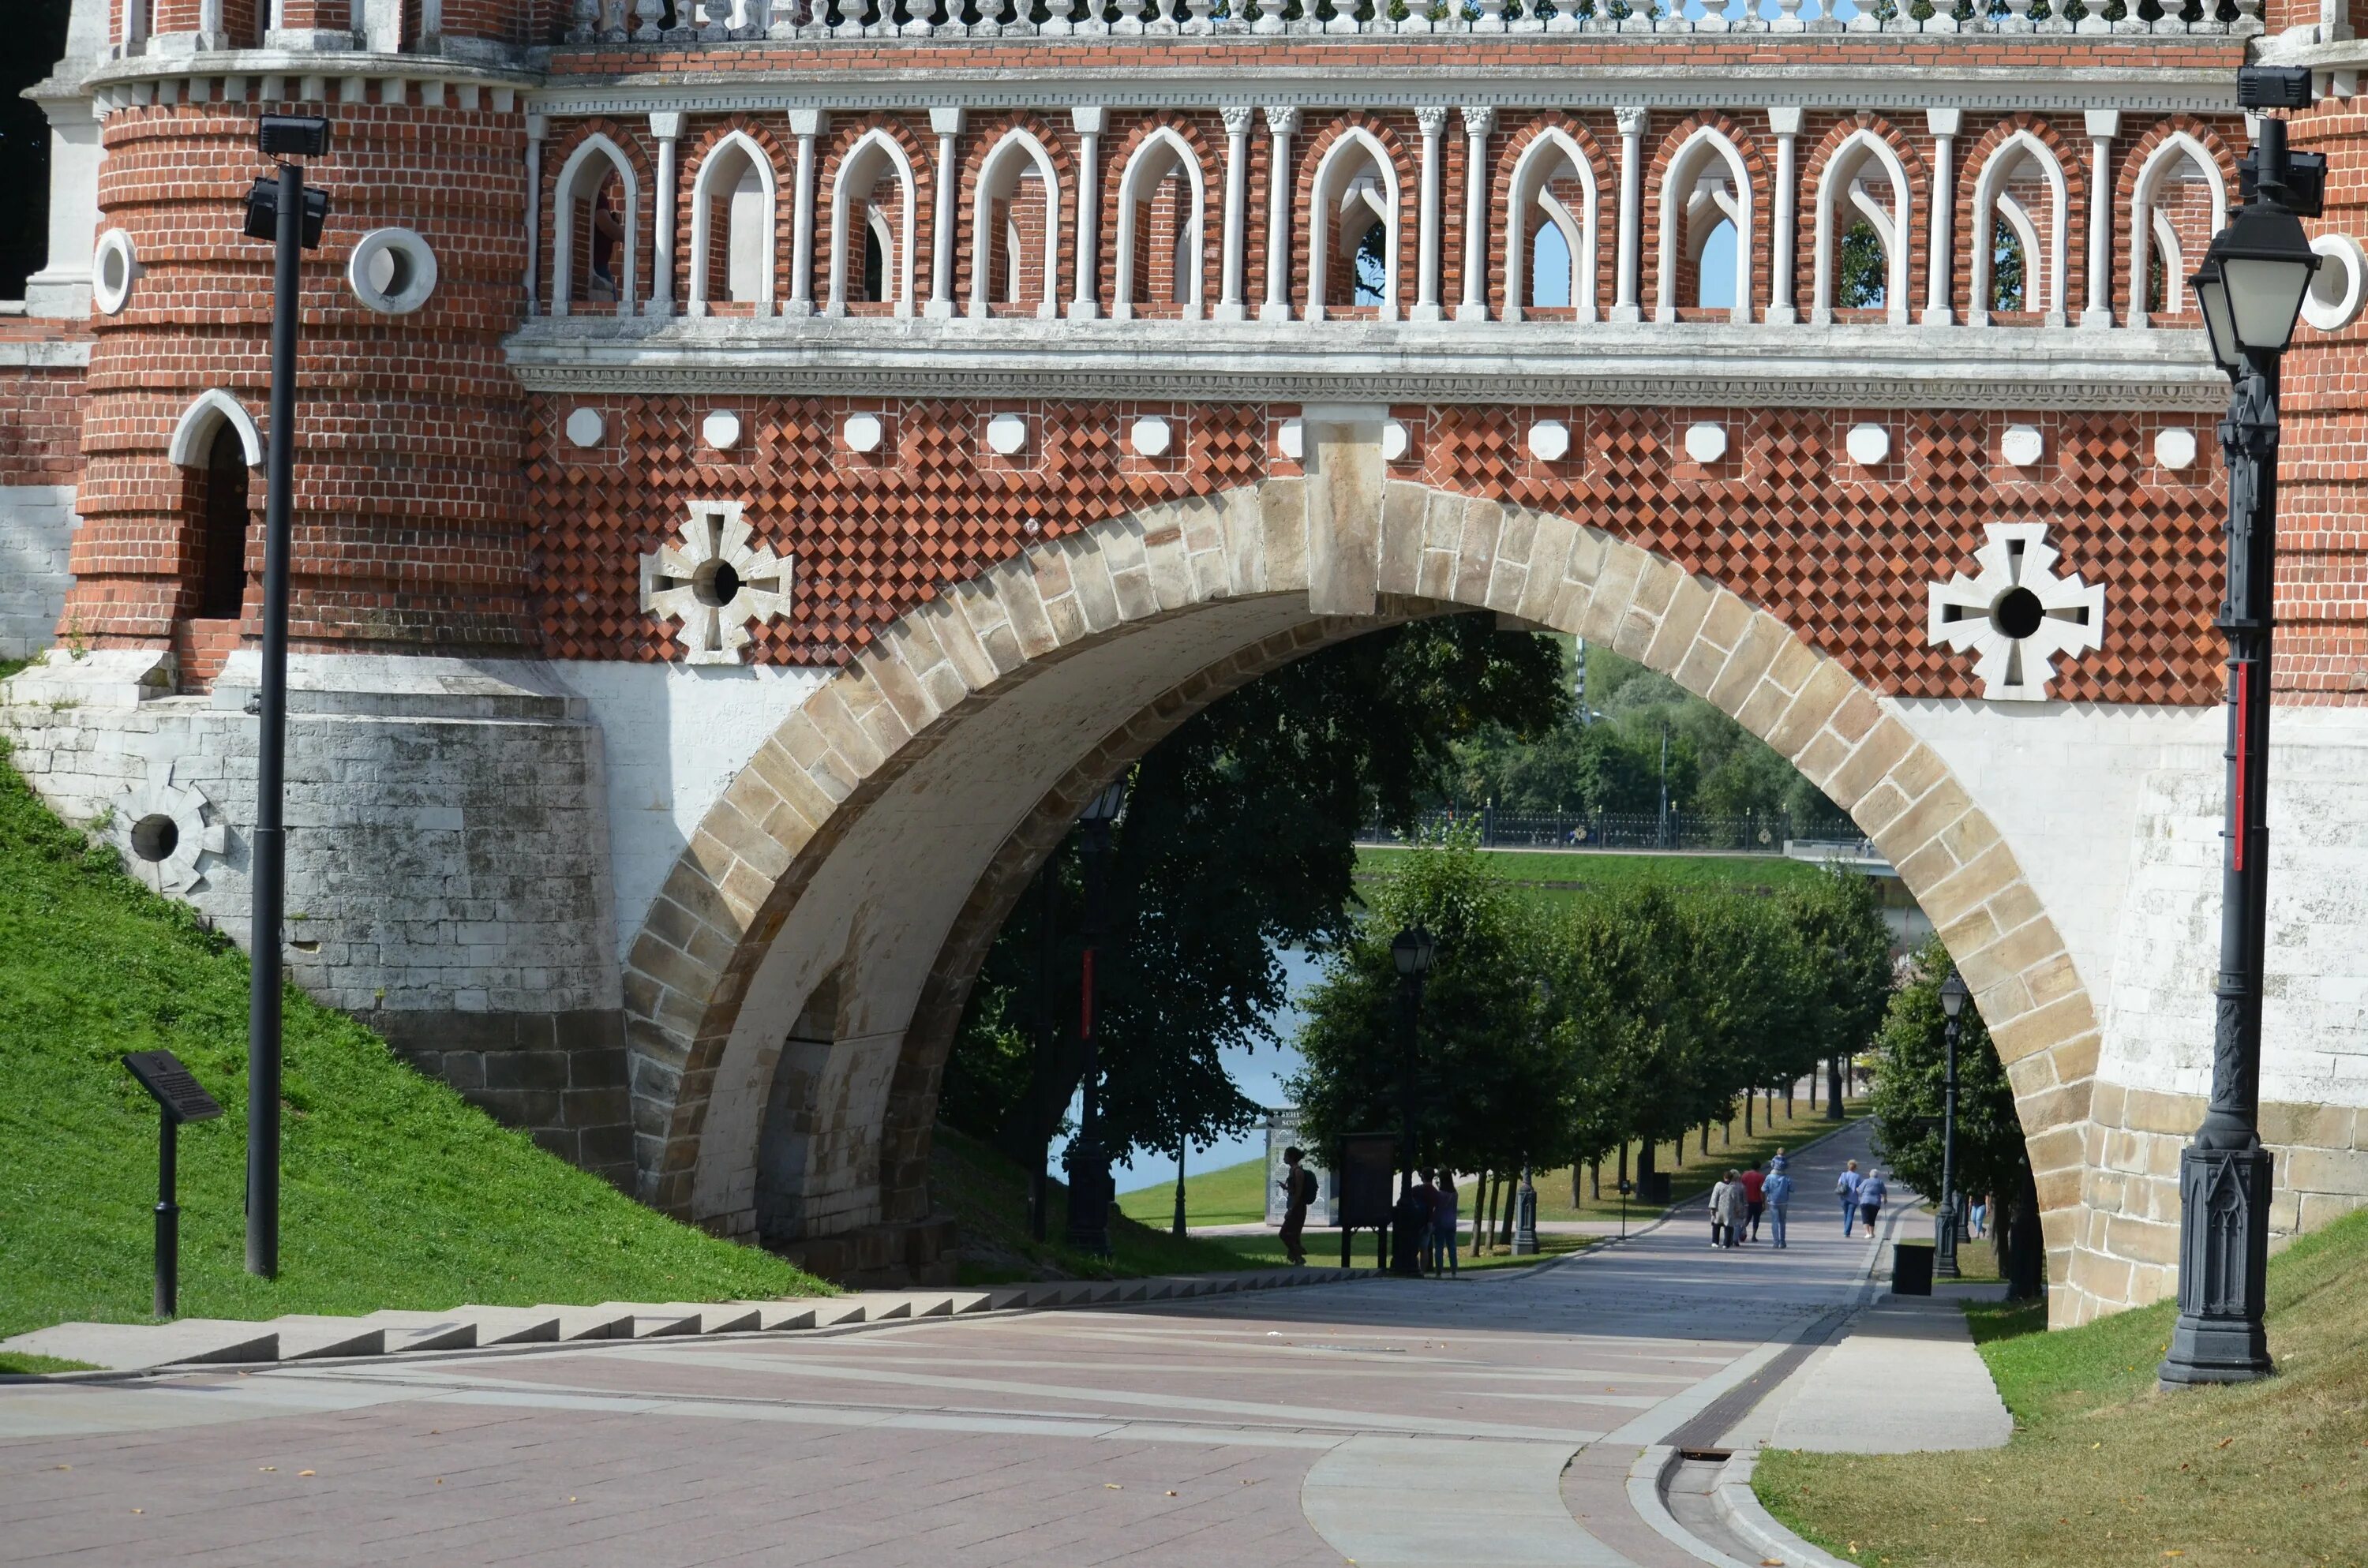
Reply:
x=1785 y=519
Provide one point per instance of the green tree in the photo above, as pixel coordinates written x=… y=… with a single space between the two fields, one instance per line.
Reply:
x=1492 y=1085
x=1862 y=279
x=1840 y=925
x=1237 y=840
x=1621 y=976
x=1910 y=1066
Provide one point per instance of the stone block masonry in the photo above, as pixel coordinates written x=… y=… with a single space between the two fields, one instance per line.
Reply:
x=37 y=526
x=449 y=879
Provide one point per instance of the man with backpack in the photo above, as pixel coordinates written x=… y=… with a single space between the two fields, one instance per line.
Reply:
x=1846 y=1188
x=1776 y=1192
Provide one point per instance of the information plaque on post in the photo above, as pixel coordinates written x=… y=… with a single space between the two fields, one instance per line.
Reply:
x=179 y=1097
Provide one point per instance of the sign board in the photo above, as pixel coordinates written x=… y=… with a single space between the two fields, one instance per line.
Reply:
x=1282 y=1133
x=181 y=1097
x=1368 y=1163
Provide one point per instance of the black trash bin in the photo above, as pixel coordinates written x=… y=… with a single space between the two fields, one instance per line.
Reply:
x=1911 y=1269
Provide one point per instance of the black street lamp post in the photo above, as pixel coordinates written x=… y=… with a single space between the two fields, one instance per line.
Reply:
x=1944 y=1235
x=1089 y=1176
x=2250 y=288
x=1525 y=1216
x=285 y=212
x=1411 y=950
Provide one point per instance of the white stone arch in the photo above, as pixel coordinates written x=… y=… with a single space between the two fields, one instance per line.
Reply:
x=193 y=436
x=571 y=187
x=1679 y=175
x=1141 y=166
x=1845 y=167
x=2045 y=278
x=1328 y=192
x=2151 y=227
x=732 y=153
x=998 y=180
x=1533 y=171
x=864 y=158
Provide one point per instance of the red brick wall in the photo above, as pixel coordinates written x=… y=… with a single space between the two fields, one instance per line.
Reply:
x=1842 y=554
x=41 y=411
x=408 y=479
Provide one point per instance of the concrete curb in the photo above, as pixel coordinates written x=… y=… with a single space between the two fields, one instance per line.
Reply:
x=1646 y=1478
x=1740 y=1510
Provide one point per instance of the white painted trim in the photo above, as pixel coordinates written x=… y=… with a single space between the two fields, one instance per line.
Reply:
x=1532 y=174
x=991 y=188
x=1123 y=298
x=702 y=221
x=900 y=265
x=2144 y=192
x=562 y=228
x=193 y=437
x=1323 y=217
x=1680 y=174
x=1893 y=228
x=2050 y=301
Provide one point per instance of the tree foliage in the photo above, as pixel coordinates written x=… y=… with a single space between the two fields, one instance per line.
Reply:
x=1237 y=841
x=1910 y=1060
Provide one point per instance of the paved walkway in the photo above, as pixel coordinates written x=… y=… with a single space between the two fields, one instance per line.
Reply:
x=1489 y=1418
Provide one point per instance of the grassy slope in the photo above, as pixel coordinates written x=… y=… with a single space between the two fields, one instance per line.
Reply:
x=1230 y=1195
x=1603 y=869
x=397 y=1193
x=2104 y=1471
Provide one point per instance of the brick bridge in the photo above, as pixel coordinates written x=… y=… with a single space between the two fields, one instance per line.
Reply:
x=763 y=465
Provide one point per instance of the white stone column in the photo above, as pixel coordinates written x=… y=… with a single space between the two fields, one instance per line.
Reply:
x=1940 y=306
x=1625 y=306
x=948 y=124
x=1237 y=185
x=1426 y=281
x=806 y=124
x=666 y=126
x=1479 y=119
x=2105 y=124
x=1091 y=123
x=1279 y=124
x=1784 y=216
x=538 y=130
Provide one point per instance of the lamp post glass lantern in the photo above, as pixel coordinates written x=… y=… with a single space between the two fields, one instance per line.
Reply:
x=1411 y=952
x=2249 y=291
x=1944 y=1235
x=1089 y=1176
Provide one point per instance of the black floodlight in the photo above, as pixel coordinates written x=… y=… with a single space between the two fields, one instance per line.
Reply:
x=263 y=213
x=294 y=135
x=2273 y=86
x=2306 y=188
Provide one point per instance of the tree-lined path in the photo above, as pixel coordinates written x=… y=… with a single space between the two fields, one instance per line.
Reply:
x=1380 y=1421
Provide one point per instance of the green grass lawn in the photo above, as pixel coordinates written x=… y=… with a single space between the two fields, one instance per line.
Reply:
x=1570 y=870
x=2105 y=1471
x=1229 y=1195
x=32 y=1366
x=397 y=1193
x=988 y=1198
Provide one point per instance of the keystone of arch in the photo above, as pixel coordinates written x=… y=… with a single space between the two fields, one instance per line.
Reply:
x=1350 y=544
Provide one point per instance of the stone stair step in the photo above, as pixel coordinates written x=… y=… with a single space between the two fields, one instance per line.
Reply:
x=126 y=1346
x=307 y=1337
x=607 y=1321
x=515 y=1325
x=774 y=1317
x=408 y=1331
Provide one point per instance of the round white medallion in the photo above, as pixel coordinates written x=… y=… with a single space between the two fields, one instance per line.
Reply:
x=1395 y=440
x=1549 y=441
x=863 y=432
x=114 y=267
x=1149 y=436
x=392 y=271
x=1705 y=442
x=721 y=429
x=1288 y=440
x=2022 y=445
x=2339 y=287
x=585 y=427
x=1006 y=434
x=1867 y=444
x=2174 y=447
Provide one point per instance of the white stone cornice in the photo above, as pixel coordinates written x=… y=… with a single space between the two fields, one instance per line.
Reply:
x=1682 y=365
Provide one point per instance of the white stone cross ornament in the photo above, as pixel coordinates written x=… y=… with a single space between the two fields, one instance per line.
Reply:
x=714 y=581
x=2017 y=614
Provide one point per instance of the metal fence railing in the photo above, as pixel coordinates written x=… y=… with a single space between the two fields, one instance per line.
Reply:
x=1748 y=834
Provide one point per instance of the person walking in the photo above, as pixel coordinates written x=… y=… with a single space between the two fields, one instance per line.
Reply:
x=1978 y=1218
x=1735 y=1207
x=1444 y=1220
x=1298 y=1185
x=1718 y=1214
x=1870 y=1194
x=1846 y=1188
x=1755 y=1201
x=1777 y=1192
